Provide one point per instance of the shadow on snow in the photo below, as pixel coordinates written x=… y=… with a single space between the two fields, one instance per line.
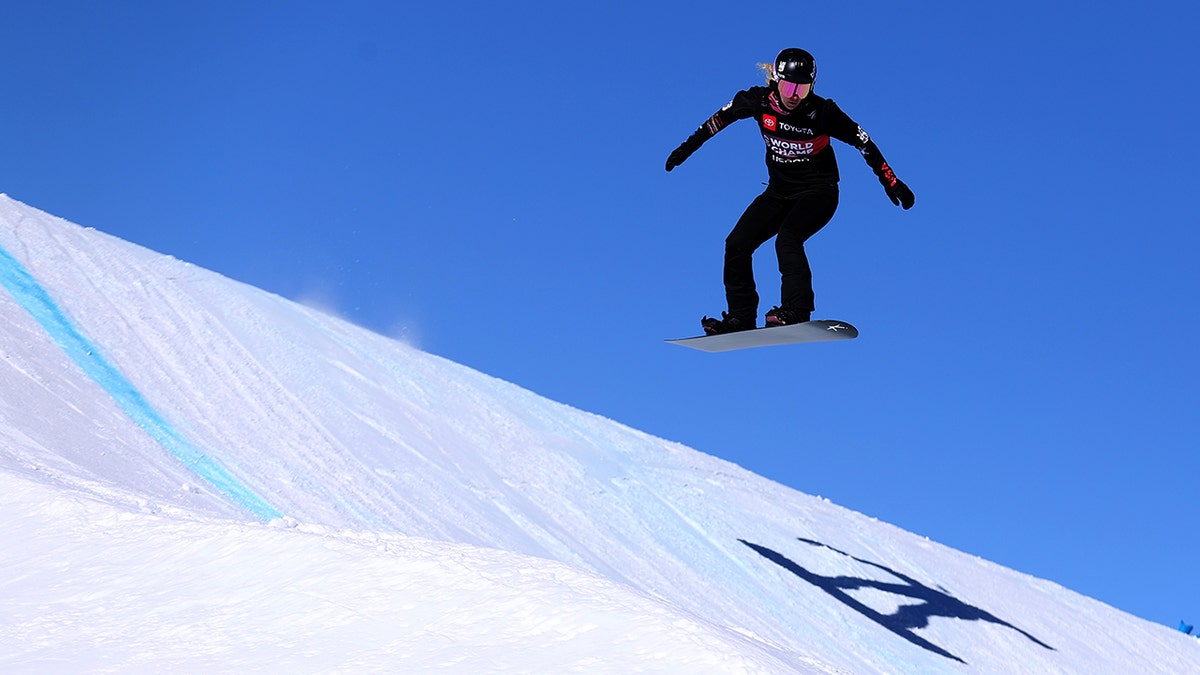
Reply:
x=906 y=618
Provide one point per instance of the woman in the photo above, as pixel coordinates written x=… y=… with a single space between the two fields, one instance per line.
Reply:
x=802 y=191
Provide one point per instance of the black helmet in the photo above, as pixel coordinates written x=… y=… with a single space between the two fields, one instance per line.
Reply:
x=795 y=65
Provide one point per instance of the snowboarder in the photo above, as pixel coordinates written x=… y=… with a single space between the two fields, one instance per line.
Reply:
x=802 y=190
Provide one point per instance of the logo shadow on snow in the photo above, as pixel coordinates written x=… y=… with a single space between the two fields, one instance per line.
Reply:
x=907 y=618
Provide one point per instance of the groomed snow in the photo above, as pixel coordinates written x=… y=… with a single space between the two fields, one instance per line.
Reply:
x=196 y=475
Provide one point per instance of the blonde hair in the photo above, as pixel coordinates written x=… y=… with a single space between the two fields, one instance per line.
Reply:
x=768 y=70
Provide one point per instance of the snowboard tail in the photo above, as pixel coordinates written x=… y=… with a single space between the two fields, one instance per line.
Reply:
x=821 y=330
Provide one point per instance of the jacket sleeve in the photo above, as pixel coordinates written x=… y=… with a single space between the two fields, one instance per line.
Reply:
x=741 y=107
x=848 y=131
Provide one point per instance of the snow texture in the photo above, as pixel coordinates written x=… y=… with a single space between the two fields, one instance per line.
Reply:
x=197 y=476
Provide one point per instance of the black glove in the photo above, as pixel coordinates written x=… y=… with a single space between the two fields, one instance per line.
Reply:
x=899 y=193
x=677 y=156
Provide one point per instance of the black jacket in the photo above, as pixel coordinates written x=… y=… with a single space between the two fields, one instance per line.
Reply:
x=798 y=150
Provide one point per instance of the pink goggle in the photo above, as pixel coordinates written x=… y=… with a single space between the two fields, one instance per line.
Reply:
x=790 y=89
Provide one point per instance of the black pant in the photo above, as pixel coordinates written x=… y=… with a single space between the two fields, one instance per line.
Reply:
x=791 y=220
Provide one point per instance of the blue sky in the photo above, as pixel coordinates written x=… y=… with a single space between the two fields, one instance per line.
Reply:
x=487 y=182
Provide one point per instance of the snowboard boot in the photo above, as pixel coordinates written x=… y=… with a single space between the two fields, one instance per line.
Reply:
x=726 y=324
x=781 y=316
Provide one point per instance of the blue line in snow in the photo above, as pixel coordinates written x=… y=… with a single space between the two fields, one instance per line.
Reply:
x=30 y=295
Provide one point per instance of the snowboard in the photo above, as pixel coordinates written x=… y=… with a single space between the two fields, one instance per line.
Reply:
x=821 y=330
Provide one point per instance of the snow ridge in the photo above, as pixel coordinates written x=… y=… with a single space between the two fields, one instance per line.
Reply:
x=34 y=299
x=434 y=518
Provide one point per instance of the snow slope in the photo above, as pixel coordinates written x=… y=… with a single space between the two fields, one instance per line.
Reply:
x=206 y=476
